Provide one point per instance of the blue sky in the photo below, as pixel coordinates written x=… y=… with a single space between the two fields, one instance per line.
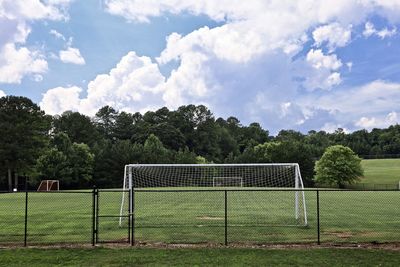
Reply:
x=287 y=64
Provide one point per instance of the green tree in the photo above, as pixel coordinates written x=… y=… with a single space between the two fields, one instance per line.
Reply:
x=338 y=165
x=71 y=163
x=105 y=121
x=124 y=125
x=81 y=161
x=111 y=159
x=53 y=165
x=78 y=127
x=290 y=151
x=23 y=135
x=155 y=152
x=184 y=156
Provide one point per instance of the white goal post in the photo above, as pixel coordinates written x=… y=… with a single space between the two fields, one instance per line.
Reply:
x=269 y=176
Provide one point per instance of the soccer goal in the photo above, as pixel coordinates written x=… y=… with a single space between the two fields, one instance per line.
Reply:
x=285 y=177
x=49 y=185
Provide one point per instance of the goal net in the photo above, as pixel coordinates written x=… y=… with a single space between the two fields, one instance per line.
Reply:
x=285 y=177
x=228 y=181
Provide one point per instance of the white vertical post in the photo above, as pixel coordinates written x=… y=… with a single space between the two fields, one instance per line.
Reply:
x=296 y=194
x=123 y=196
x=300 y=179
x=131 y=195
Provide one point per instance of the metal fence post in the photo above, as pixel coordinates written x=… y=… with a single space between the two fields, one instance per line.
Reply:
x=93 y=215
x=318 y=220
x=226 y=217
x=132 y=215
x=97 y=215
x=26 y=218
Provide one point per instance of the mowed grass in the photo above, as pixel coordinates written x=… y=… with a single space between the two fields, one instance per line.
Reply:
x=381 y=171
x=199 y=217
x=198 y=257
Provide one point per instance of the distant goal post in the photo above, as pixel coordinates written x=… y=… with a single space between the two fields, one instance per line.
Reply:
x=270 y=176
x=49 y=185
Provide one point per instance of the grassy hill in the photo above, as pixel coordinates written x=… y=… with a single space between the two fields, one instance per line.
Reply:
x=381 y=171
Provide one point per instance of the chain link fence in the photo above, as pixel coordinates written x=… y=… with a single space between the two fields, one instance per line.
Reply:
x=207 y=216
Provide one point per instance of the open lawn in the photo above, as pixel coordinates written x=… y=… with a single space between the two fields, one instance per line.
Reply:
x=381 y=171
x=198 y=257
x=198 y=217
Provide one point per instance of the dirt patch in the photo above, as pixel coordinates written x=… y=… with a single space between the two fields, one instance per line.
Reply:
x=369 y=234
x=210 y=218
x=340 y=234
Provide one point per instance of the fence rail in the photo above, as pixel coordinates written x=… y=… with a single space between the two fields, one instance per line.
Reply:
x=221 y=216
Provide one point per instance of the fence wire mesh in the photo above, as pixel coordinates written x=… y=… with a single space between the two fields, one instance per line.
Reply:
x=179 y=216
x=12 y=218
x=360 y=216
x=112 y=225
x=222 y=216
x=269 y=217
x=61 y=217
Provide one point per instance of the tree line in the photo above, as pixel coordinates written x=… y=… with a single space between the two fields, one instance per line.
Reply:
x=81 y=151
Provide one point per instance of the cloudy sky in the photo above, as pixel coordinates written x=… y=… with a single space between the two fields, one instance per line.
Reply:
x=306 y=64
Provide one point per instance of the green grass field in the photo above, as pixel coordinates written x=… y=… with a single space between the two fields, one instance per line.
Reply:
x=198 y=257
x=381 y=171
x=198 y=217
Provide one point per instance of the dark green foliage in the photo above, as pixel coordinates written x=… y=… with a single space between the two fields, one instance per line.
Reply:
x=71 y=163
x=111 y=159
x=52 y=165
x=184 y=156
x=105 y=121
x=78 y=127
x=155 y=152
x=186 y=135
x=290 y=151
x=23 y=135
x=124 y=126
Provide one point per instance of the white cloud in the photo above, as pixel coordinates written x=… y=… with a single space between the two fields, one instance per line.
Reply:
x=57 y=34
x=372 y=98
x=247 y=66
x=16 y=60
x=378 y=122
x=251 y=30
x=327 y=75
x=134 y=84
x=2 y=93
x=334 y=34
x=333 y=79
x=37 y=78
x=330 y=127
x=60 y=99
x=71 y=55
x=375 y=104
x=349 y=65
x=318 y=60
x=15 y=63
x=385 y=32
